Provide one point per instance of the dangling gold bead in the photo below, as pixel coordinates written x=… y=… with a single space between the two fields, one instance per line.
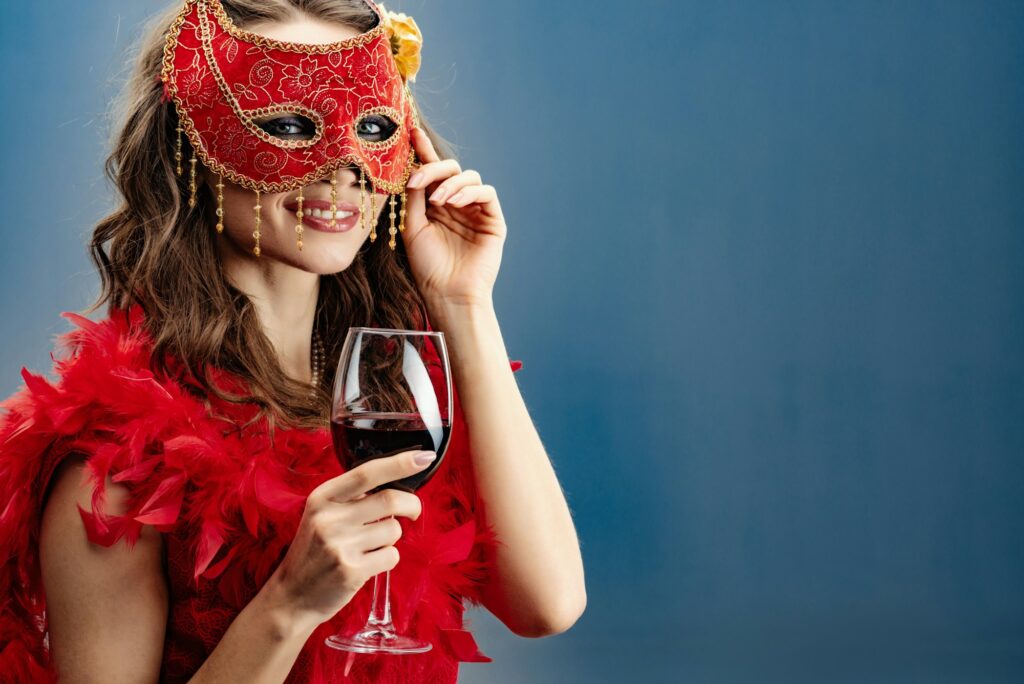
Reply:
x=392 y=230
x=220 y=203
x=177 y=151
x=256 y=233
x=372 y=218
x=364 y=222
x=298 y=227
x=401 y=213
x=192 y=181
x=334 y=196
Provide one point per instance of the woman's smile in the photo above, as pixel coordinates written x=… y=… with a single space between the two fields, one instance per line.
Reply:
x=316 y=214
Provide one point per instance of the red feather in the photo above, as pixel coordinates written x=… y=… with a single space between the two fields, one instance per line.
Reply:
x=138 y=472
x=165 y=501
x=455 y=544
x=247 y=498
x=210 y=541
x=464 y=646
x=274 y=493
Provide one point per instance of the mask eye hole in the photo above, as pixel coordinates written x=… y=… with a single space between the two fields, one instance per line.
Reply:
x=375 y=128
x=287 y=126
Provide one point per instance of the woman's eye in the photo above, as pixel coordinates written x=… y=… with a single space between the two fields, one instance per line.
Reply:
x=291 y=127
x=375 y=128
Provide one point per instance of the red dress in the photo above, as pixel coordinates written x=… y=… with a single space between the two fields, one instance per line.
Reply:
x=227 y=503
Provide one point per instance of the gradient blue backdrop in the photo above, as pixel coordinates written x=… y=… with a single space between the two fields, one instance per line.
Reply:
x=764 y=271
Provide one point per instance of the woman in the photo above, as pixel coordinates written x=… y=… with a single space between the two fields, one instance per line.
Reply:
x=172 y=506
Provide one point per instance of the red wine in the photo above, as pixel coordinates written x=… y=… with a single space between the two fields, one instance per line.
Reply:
x=365 y=436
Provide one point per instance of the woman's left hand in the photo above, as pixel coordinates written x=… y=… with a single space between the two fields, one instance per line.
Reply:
x=454 y=229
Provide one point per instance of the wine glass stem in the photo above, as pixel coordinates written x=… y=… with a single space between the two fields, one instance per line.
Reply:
x=380 y=611
x=380 y=614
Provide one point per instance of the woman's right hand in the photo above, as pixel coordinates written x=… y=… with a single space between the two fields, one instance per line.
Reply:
x=342 y=540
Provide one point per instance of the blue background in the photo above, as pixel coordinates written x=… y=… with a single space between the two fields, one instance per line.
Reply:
x=764 y=270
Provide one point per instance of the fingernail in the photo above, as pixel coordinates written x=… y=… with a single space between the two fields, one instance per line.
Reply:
x=455 y=197
x=415 y=179
x=438 y=195
x=425 y=457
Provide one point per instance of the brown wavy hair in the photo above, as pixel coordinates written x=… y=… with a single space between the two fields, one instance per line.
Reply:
x=155 y=251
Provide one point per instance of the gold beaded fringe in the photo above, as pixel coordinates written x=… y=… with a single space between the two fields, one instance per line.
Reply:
x=334 y=196
x=372 y=218
x=401 y=213
x=220 y=203
x=298 y=227
x=192 y=181
x=177 y=151
x=256 y=233
x=392 y=230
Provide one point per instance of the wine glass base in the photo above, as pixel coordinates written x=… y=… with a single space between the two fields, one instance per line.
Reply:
x=377 y=641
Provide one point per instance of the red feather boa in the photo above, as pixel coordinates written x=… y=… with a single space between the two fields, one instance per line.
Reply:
x=227 y=502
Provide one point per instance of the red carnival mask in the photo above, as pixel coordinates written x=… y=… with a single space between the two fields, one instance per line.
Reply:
x=223 y=79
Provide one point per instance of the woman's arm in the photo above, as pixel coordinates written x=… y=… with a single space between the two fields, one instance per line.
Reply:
x=261 y=644
x=537 y=587
x=107 y=607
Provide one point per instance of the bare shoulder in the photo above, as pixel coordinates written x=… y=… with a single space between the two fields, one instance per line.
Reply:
x=106 y=606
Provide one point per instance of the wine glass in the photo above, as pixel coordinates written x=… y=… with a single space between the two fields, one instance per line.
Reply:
x=392 y=393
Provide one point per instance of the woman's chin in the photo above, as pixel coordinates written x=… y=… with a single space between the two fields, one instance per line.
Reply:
x=321 y=264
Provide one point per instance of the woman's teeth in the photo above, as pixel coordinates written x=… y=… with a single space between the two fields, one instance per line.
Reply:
x=326 y=214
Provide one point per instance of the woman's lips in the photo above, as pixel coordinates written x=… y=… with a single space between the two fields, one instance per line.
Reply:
x=321 y=223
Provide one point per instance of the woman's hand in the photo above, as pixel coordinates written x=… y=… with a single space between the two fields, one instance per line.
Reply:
x=338 y=546
x=454 y=229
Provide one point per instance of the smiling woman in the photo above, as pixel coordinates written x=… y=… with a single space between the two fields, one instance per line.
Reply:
x=191 y=422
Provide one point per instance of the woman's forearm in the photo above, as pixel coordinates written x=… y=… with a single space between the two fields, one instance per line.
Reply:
x=537 y=584
x=262 y=643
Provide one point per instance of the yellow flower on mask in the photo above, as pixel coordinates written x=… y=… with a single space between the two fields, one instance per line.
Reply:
x=406 y=41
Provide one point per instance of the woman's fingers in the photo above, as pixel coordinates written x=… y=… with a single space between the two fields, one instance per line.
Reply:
x=377 y=534
x=480 y=194
x=384 y=503
x=452 y=185
x=381 y=560
x=370 y=475
x=443 y=182
x=433 y=172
